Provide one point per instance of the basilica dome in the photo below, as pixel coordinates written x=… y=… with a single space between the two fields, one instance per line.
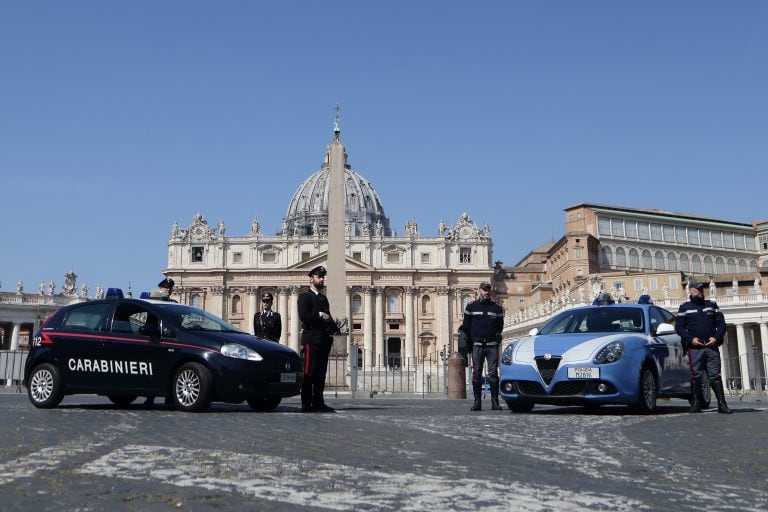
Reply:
x=308 y=209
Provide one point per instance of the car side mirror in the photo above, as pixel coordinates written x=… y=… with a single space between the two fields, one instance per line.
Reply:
x=664 y=329
x=533 y=332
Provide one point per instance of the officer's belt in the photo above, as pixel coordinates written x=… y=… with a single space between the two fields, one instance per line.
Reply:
x=484 y=342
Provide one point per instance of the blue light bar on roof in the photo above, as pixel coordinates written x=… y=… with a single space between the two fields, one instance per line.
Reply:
x=645 y=299
x=114 y=293
x=144 y=295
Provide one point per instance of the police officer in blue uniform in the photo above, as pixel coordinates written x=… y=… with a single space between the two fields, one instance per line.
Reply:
x=701 y=326
x=316 y=340
x=483 y=323
x=267 y=324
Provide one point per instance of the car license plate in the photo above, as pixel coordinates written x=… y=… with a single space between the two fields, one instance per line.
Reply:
x=288 y=377
x=583 y=373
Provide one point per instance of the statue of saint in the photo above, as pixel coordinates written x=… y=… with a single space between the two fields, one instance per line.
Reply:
x=175 y=230
x=222 y=228
x=255 y=227
x=41 y=287
x=379 y=228
x=51 y=287
x=20 y=287
x=441 y=228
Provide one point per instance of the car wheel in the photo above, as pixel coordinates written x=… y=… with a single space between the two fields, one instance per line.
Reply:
x=45 y=387
x=122 y=400
x=264 y=403
x=646 y=402
x=520 y=405
x=192 y=387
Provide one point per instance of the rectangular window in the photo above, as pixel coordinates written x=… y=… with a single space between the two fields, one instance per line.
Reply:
x=604 y=226
x=656 y=232
x=631 y=227
x=305 y=256
x=237 y=257
x=268 y=257
x=672 y=283
x=638 y=283
x=425 y=257
x=357 y=256
x=693 y=236
x=669 y=233
x=653 y=284
x=578 y=253
x=393 y=257
x=680 y=235
x=197 y=254
x=704 y=236
x=465 y=255
x=619 y=285
x=643 y=230
x=357 y=327
x=750 y=241
x=394 y=327
x=617 y=227
x=717 y=239
x=728 y=240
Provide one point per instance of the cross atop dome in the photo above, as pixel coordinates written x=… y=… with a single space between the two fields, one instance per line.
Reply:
x=337 y=121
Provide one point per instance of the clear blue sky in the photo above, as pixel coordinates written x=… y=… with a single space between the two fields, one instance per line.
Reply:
x=119 y=118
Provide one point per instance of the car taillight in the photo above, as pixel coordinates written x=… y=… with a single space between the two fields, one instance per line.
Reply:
x=45 y=340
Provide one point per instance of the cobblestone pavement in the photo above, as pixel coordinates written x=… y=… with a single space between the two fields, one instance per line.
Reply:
x=380 y=454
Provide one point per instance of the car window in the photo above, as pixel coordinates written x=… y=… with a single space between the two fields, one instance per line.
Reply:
x=91 y=317
x=194 y=319
x=600 y=319
x=658 y=316
x=131 y=318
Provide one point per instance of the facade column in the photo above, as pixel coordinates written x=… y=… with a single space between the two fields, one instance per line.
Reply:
x=764 y=345
x=410 y=328
x=743 y=356
x=725 y=355
x=293 y=318
x=380 y=359
x=217 y=300
x=368 y=327
x=443 y=319
x=253 y=292
x=348 y=314
x=15 y=336
x=282 y=295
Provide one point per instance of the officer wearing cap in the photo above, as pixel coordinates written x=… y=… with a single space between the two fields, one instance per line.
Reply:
x=483 y=322
x=163 y=291
x=267 y=324
x=701 y=326
x=318 y=328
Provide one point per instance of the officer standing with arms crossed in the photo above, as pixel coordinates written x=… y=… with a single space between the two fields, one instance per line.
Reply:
x=701 y=326
x=316 y=340
x=483 y=322
x=267 y=324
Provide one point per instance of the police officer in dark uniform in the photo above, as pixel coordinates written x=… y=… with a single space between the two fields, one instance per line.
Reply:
x=267 y=324
x=163 y=291
x=483 y=322
x=701 y=326
x=316 y=340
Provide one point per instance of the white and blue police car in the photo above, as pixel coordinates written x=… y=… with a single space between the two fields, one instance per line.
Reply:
x=123 y=348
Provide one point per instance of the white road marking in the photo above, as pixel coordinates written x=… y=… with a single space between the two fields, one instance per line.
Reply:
x=336 y=486
x=46 y=459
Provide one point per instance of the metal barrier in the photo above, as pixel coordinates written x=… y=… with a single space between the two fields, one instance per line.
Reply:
x=12 y=366
x=394 y=375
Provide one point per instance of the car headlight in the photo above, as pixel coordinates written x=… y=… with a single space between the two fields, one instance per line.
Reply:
x=506 y=356
x=240 y=352
x=610 y=353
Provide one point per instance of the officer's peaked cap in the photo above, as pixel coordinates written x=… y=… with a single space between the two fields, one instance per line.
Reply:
x=166 y=283
x=267 y=296
x=695 y=284
x=318 y=271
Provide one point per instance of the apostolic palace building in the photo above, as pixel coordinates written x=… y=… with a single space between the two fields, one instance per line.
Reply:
x=406 y=290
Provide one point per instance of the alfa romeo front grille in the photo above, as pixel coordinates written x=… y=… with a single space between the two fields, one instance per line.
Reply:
x=547 y=367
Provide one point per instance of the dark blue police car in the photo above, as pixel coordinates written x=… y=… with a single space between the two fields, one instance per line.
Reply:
x=125 y=348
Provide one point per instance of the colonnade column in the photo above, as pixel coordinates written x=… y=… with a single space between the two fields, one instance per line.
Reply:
x=293 y=318
x=380 y=359
x=764 y=345
x=443 y=317
x=743 y=355
x=15 y=336
x=410 y=341
x=348 y=314
x=253 y=302
x=368 y=327
x=282 y=298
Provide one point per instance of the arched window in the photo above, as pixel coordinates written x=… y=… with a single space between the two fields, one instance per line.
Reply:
x=606 y=259
x=236 y=305
x=647 y=263
x=393 y=302
x=684 y=263
x=621 y=257
x=671 y=261
x=731 y=266
x=708 y=267
x=426 y=305
x=466 y=299
x=696 y=263
x=742 y=265
x=196 y=301
x=659 y=257
x=357 y=303
x=634 y=258
x=720 y=265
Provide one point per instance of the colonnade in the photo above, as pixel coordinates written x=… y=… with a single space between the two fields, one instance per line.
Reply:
x=745 y=358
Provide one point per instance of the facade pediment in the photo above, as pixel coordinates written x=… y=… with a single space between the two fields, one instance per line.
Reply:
x=350 y=264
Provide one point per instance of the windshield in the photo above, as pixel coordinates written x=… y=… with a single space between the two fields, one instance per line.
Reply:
x=599 y=319
x=194 y=319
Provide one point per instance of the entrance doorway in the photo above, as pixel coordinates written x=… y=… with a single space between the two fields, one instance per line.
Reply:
x=393 y=353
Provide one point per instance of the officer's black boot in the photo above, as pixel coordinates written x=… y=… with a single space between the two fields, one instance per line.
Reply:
x=717 y=389
x=695 y=396
x=477 y=389
x=495 y=396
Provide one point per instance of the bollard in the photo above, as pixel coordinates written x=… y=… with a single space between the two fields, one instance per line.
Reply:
x=457 y=384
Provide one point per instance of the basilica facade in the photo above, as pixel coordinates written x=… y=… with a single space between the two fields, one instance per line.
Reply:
x=405 y=292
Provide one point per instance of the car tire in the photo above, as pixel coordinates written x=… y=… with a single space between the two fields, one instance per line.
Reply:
x=264 y=403
x=521 y=406
x=122 y=400
x=647 y=390
x=44 y=388
x=192 y=388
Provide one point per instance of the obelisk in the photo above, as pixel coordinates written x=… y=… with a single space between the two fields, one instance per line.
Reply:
x=336 y=287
